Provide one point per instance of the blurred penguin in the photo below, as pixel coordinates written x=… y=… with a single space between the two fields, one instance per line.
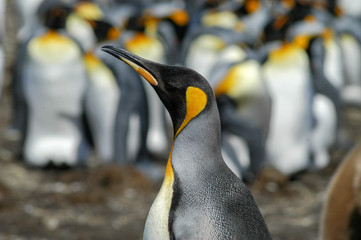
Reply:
x=287 y=74
x=348 y=30
x=246 y=113
x=254 y=14
x=78 y=26
x=350 y=8
x=141 y=38
x=131 y=120
x=171 y=25
x=54 y=83
x=29 y=26
x=27 y=11
x=102 y=96
x=321 y=45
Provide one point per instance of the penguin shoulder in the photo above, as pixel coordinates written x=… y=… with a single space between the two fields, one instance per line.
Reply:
x=53 y=47
x=288 y=54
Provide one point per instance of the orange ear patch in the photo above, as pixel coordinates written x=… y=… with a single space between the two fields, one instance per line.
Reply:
x=180 y=17
x=196 y=101
x=226 y=83
x=252 y=5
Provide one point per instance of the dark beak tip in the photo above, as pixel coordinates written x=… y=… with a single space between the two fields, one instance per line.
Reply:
x=106 y=48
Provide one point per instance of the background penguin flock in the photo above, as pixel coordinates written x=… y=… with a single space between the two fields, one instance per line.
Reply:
x=249 y=51
x=281 y=71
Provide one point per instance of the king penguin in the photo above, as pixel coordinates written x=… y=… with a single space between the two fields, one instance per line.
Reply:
x=54 y=83
x=200 y=197
x=143 y=39
x=288 y=76
x=102 y=95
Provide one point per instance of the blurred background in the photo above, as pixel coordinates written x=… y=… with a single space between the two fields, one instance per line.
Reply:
x=84 y=140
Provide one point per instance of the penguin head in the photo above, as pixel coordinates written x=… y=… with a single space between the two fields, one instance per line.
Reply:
x=184 y=92
x=88 y=10
x=104 y=31
x=53 y=14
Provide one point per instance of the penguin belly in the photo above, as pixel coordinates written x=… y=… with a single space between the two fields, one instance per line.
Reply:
x=287 y=144
x=324 y=133
x=333 y=66
x=134 y=137
x=54 y=82
x=352 y=59
x=158 y=139
x=101 y=101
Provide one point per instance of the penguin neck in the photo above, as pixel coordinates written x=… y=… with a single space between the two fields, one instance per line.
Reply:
x=197 y=146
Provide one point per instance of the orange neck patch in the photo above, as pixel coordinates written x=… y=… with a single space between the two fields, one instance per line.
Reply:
x=180 y=17
x=226 y=84
x=91 y=60
x=52 y=37
x=196 y=101
x=140 y=40
x=252 y=5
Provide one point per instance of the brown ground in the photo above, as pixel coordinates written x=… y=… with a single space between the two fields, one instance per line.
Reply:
x=112 y=202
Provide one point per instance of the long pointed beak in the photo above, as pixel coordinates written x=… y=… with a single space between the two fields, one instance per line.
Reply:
x=132 y=60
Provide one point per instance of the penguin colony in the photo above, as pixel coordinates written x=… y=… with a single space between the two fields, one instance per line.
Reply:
x=279 y=72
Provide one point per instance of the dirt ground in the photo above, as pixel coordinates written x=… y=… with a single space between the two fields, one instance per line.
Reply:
x=112 y=202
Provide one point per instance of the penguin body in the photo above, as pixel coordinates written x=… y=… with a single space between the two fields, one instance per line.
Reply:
x=243 y=82
x=131 y=121
x=326 y=107
x=158 y=135
x=350 y=8
x=242 y=141
x=102 y=95
x=54 y=82
x=200 y=197
x=288 y=77
x=29 y=22
x=247 y=112
x=348 y=30
x=323 y=51
x=340 y=215
x=333 y=61
x=325 y=130
x=101 y=105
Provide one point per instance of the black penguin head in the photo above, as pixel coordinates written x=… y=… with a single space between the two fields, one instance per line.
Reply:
x=53 y=14
x=184 y=92
x=103 y=30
